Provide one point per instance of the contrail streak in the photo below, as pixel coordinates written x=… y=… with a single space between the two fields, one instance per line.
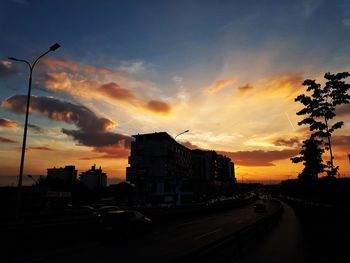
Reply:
x=291 y=124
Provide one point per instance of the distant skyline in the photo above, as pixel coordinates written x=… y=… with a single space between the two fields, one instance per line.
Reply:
x=228 y=71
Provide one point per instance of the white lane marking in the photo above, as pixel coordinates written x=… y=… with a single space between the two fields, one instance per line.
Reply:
x=208 y=233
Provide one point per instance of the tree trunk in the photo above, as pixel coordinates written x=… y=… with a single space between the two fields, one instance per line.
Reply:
x=330 y=147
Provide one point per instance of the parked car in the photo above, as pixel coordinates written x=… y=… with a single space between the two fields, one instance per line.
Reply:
x=105 y=209
x=125 y=222
x=259 y=207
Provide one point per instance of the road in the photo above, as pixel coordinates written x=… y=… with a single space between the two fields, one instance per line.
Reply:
x=282 y=244
x=165 y=243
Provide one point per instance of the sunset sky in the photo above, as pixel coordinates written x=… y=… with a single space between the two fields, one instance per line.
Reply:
x=226 y=70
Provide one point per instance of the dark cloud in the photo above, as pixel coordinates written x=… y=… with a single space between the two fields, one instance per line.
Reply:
x=59 y=110
x=92 y=129
x=7 y=69
x=6 y=140
x=114 y=91
x=259 y=157
x=253 y=158
x=7 y=123
x=114 y=151
x=158 y=106
x=343 y=110
x=341 y=144
x=35 y=128
x=293 y=142
x=96 y=139
x=341 y=140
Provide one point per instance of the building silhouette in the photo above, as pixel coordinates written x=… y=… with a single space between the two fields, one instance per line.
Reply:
x=160 y=168
x=66 y=176
x=94 y=178
x=213 y=173
x=165 y=171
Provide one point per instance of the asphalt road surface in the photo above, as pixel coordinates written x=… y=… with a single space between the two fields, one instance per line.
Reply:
x=282 y=244
x=165 y=243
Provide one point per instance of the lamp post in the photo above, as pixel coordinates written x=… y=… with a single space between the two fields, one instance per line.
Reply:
x=31 y=68
x=177 y=183
x=181 y=133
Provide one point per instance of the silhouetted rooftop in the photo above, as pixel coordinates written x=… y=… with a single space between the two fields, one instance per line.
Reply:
x=158 y=136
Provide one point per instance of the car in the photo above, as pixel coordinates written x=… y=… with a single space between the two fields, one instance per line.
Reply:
x=125 y=222
x=259 y=207
x=105 y=209
x=101 y=211
x=88 y=207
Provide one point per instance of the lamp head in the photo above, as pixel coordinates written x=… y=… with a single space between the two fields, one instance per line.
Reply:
x=54 y=47
x=12 y=58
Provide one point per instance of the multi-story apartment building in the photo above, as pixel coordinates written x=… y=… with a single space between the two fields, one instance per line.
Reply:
x=66 y=175
x=160 y=168
x=165 y=171
x=94 y=178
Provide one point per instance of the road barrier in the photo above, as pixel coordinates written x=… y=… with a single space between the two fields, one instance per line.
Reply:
x=325 y=230
x=233 y=246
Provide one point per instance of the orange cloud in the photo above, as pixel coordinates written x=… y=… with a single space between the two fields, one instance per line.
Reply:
x=114 y=91
x=221 y=84
x=259 y=157
x=255 y=157
x=288 y=82
x=6 y=140
x=158 y=106
x=245 y=88
x=118 y=150
x=8 y=123
x=58 y=64
x=39 y=148
x=85 y=81
x=64 y=65
x=341 y=143
x=190 y=145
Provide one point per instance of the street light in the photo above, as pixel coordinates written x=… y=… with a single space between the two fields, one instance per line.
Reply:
x=176 y=176
x=181 y=133
x=31 y=68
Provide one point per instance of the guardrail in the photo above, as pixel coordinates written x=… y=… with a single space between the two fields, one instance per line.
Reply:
x=233 y=246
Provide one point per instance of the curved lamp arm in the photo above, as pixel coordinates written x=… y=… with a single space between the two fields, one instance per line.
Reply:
x=181 y=133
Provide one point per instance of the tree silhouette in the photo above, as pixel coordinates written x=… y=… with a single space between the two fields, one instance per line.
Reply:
x=311 y=156
x=320 y=109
